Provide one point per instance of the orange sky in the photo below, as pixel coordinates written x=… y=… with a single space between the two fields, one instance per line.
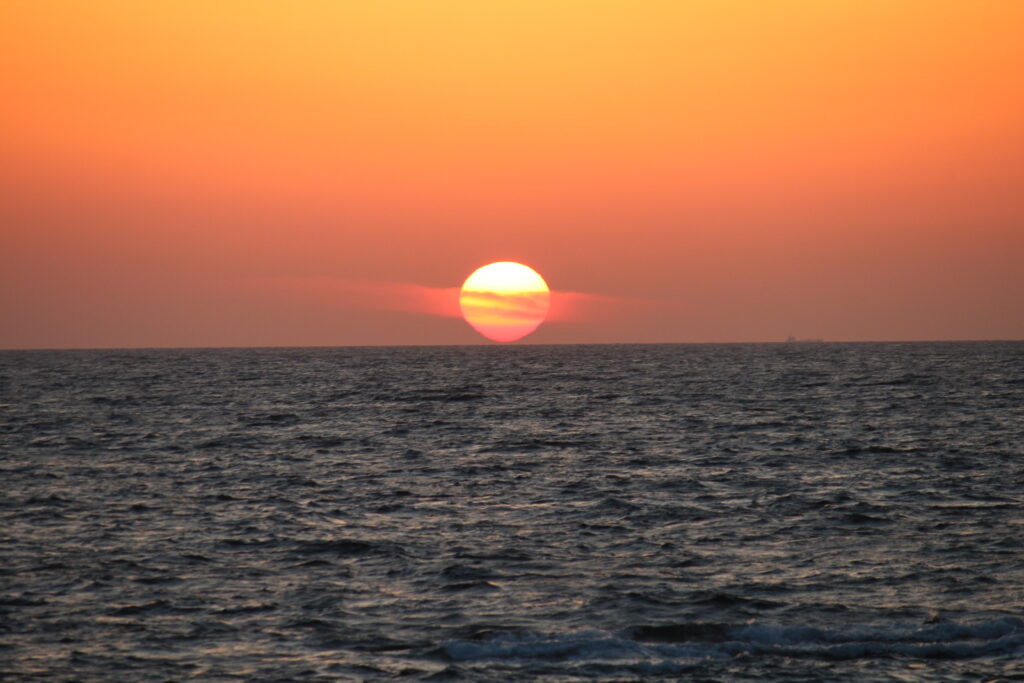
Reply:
x=218 y=173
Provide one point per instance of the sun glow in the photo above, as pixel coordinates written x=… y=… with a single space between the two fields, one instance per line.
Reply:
x=505 y=301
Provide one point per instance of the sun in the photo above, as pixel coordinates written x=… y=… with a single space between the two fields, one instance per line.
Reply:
x=505 y=301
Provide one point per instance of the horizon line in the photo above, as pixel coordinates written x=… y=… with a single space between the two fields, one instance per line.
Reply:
x=800 y=342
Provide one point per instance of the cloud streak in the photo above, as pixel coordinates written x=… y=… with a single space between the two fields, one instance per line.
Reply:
x=565 y=307
x=579 y=307
x=371 y=295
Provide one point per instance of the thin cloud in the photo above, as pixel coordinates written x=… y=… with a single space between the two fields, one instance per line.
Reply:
x=505 y=309
x=444 y=301
x=372 y=295
x=583 y=307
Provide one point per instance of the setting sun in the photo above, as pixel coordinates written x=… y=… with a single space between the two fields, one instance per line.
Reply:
x=505 y=301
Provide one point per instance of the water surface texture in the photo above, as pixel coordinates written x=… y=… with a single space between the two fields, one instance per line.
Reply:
x=714 y=512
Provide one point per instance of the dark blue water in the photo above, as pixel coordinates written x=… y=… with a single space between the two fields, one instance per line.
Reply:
x=714 y=512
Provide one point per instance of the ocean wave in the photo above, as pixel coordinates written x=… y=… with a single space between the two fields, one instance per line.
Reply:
x=947 y=640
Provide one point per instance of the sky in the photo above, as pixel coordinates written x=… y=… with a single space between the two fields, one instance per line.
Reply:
x=263 y=173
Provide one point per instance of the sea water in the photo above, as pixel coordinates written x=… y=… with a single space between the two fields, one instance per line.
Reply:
x=783 y=511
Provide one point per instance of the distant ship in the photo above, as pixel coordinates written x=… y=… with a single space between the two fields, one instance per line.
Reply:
x=793 y=340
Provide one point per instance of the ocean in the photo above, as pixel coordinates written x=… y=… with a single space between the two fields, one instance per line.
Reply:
x=791 y=512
